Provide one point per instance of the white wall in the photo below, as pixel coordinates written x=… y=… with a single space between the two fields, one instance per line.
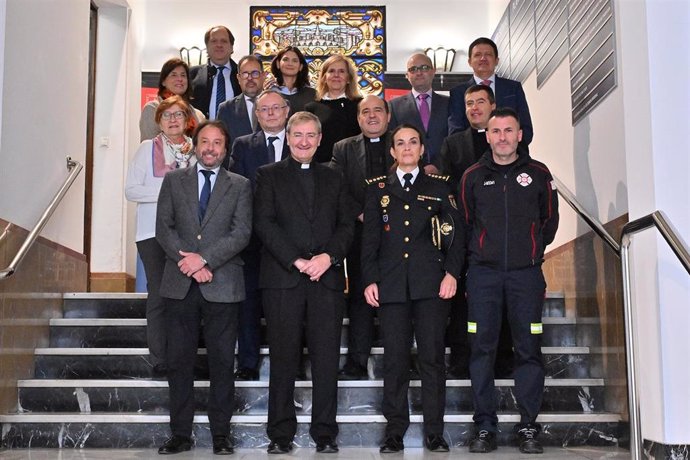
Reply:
x=44 y=93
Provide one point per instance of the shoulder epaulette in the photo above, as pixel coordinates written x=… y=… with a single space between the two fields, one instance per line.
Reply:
x=373 y=180
x=439 y=177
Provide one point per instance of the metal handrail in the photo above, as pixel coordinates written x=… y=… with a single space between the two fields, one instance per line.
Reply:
x=594 y=224
x=75 y=168
x=658 y=220
x=679 y=248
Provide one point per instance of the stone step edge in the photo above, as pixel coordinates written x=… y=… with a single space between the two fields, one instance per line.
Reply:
x=58 y=351
x=44 y=417
x=141 y=322
x=142 y=295
x=129 y=383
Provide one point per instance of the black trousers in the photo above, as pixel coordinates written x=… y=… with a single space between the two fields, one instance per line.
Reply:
x=218 y=321
x=249 y=331
x=522 y=293
x=427 y=319
x=153 y=258
x=319 y=310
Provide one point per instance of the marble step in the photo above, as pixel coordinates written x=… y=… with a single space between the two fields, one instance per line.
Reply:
x=118 y=363
x=131 y=332
x=251 y=398
x=141 y=430
x=133 y=305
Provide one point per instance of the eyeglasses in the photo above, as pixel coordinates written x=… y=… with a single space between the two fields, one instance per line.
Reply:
x=176 y=115
x=273 y=108
x=254 y=74
x=419 y=68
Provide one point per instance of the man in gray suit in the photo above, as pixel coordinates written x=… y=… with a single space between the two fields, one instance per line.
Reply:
x=424 y=109
x=203 y=221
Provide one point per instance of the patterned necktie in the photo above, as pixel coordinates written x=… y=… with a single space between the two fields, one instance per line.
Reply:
x=220 y=86
x=205 y=193
x=272 y=148
x=486 y=82
x=408 y=181
x=424 y=110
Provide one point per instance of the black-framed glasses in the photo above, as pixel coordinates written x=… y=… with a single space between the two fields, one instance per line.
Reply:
x=254 y=74
x=264 y=110
x=419 y=68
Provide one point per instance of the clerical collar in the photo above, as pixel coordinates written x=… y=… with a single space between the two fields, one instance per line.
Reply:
x=481 y=130
x=373 y=139
x=298 y=165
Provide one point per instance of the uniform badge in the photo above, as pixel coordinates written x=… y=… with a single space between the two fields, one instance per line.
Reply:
x=451 y=198
x=382 y=185
x=524 y=179
x=385 y=218
x=385 y=201
x=387 y=228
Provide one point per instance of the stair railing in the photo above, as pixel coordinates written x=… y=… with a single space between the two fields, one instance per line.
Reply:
x=74 y=167
x=679 y=248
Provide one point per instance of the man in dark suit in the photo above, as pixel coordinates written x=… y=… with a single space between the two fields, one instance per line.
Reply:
x=483 y=58
x=249 y=153
x=424 y=109
x=216 y=81
x=238 y=114
x=359 y=157
x=203 y=222
x=304 y=220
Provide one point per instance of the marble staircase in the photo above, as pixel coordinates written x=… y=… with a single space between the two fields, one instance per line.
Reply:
x=93 y=387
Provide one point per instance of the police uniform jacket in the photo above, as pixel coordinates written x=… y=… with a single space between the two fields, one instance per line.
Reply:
x=512 y=216
x=398 y=251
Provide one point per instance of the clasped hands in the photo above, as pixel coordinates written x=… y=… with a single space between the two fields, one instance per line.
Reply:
x=193 y=265
x=314 y=267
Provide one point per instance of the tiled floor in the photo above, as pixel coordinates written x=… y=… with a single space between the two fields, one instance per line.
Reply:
x=503 y=453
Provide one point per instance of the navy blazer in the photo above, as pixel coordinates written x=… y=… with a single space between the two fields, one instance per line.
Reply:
x=202 y=84
x=509 y=93
x=404 y=110
x=249 y=152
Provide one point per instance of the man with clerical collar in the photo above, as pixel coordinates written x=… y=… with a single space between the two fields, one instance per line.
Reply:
x=358 y=157
x=424 y=109
x=304 y=218
x=483 y=58
x=249 y=152
x=238 y=114
x=215 y=82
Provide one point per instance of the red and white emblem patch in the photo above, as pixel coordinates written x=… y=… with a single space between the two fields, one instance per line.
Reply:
x=524 y=179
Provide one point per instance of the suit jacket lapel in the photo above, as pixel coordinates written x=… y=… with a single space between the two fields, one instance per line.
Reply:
x=361 y=154
x=259 y=146
x=396 y=187
x=412 y=108
x=190 y=189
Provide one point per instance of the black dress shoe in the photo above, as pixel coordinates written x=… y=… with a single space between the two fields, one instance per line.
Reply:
x=392 y=444
x=279 y=447
x=326 y=445
x=527 y=439
x=222 y=445
x=483 y=442
x=244 y=373
x=436 y=443
x=175 y=445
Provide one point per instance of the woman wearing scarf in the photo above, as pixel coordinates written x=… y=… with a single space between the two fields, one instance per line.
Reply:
x=169 y=150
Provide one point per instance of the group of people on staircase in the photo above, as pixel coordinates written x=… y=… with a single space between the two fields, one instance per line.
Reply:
x=260 y=195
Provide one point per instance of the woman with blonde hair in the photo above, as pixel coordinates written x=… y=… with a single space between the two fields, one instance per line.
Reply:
x=337 y=96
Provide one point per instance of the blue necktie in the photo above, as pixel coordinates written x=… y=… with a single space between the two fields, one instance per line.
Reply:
x=205 y=193
x=220 y=86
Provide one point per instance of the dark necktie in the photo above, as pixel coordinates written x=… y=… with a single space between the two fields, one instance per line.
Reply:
x=408 y=181
x=272 y=149
x=486 y=82
x=220 y=86
x=424 y=110
x=205 y=193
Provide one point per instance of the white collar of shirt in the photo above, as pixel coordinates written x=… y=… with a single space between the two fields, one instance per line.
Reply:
x=201 y=178
x=492 y=78
x=277 y=144
x=327 y=97
x=400 y=174
x=226 y=65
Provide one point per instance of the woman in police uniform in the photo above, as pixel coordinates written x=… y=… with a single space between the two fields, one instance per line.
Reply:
x=410 y=280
